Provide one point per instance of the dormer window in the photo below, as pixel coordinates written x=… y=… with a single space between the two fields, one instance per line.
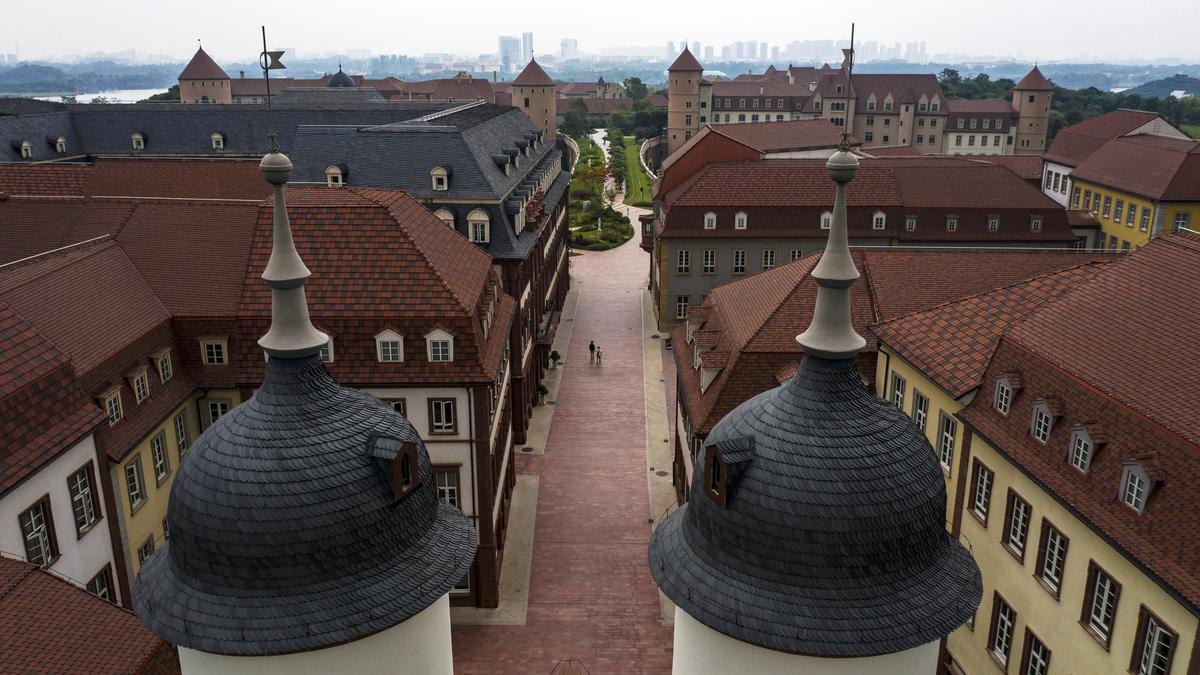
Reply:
x=441 y=178
x=445 y=216
x=993 y=223
x=162 y=363
x=715 y=475
x=739 y=221
x=334 y=176
x=951 y=223
x=327 y=351
x=1135 y=486
x=1081 y=448
x=838 y=89
x=399 y=463
x=439 y=346
x=213 y=352
x=111 y=402
x=1002 y=401
x=389 y=347
x=878 y=221
x=479 y=227
x=826 y=220
x=710 y=221
x=910 y=223
x=26 y=150
x=1035 y=223
x=218 y=141
x=139 y=141
x=140 y=384
x=1043 y=421
x=60 y=145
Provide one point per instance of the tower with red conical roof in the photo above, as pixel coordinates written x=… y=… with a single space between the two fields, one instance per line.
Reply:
x=203 y=81
x=683 y=100
x=1031 y=99
x=533 y=93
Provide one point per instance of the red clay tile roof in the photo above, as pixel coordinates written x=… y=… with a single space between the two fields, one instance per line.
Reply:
x=1026 y=167
x=962 y=106
x=757 y=318
x=972 y=325
x=783 y=136
x=533 y=76
x=61 y=180
x=1077 y=142
x=686 y=63
x=1034 y=80
x=904 y=88
x=785 y=182
x=202 y=67
x=48 y=625
x=892 y=151
x=176 y=178
x=1157 y=167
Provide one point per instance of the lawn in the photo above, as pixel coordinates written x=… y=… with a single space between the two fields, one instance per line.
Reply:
x=615 y=228
x=637 y=189
x=1192 y=130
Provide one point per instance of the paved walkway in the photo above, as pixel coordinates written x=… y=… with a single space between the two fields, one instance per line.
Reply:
x=591 y=597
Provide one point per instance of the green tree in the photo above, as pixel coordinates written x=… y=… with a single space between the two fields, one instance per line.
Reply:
x=171 y=94
x=635 y=88
x=575 y=121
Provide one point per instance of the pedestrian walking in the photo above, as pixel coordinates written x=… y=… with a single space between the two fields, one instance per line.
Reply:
x=599 y=356
x=591 y=352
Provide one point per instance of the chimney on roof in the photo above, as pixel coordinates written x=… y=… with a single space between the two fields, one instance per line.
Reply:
x=493 y=77
x=241 y=74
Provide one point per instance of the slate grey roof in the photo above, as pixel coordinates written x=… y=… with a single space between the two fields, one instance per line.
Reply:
x=340 y=79
x=832 y=541
x=284 y=534
x=42 y=131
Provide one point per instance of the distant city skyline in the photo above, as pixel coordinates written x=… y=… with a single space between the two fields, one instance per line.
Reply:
x=1027 y=29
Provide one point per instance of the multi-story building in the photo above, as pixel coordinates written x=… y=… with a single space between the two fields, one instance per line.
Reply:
x=880 y=109
x=687 y=105
x=598 y=89
x=1072 y=482
x=510 y=53
x=706 y=233
x=1140 y=187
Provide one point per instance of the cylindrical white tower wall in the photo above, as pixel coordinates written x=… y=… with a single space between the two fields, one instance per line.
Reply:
x=417 y=646
x=700 y=650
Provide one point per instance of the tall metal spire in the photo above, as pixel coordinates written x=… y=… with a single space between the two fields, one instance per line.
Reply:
x=292 y=334
x=831 y=334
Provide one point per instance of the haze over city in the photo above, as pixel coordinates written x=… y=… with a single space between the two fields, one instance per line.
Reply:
x=1023 y=29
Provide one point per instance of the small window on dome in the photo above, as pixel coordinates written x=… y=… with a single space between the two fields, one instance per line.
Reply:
x=715 y=476
x=405 y=475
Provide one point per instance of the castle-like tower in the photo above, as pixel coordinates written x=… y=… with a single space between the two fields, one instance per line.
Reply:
x=306 y=532
x=683 y=100
x=814 y=540
x=203 y=81
x=533 y=93
x=1031 y=99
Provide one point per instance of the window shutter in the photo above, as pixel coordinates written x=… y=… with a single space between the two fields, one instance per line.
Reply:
x=991 y=641
x=1008 y=514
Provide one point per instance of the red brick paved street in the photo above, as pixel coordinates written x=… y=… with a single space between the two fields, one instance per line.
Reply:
x=591 y=597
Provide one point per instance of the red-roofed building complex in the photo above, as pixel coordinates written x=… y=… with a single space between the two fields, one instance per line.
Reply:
x=1071 y=462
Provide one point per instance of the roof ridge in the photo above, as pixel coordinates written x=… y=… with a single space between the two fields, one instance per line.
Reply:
x=800 y=280
x=61 y=250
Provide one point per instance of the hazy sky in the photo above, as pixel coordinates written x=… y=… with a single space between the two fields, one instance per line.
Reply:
x=1032 y=29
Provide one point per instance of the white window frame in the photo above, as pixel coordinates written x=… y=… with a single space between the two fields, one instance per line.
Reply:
x=479 y=227
x=37 y=538
x=683 y=261
x=951 y=223
x=1002 y=399
x=981 y=500
x=138 y=141
x=26 y=150
x=910 y=223
x=83 y=502
x=920 y=409
x=1055 y=560
x=681 y=306
x=159 y=457
x=1035 y=223
x=446 y=216
x=214 y=352
x=182 y=441
x=993 y=223
x=1006 y=622
x=1080 y=449
x=439 y=336
x=947 y=433
x=739 y=256
x=879 y=220
x=710 y=221
x=140 y=383
x=826 y=220
x=1102 y=604
x=739 y=220
x=898 y=386
x=1042 y=424
x=113 y=407
x=1135 y=487
x=326 y=352
x=389 y=337
x=440 y=179
x=438 y=423
x=1017 y=527
x=449 y=492
x=218 y=141
x=60 y=145
x=211 y=404
x=768 y=259
x=334 y=176
x=135 y=483
x=1156 y=651
x=162 y=363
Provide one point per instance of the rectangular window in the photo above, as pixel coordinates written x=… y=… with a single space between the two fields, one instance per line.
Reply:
x=447 y=485
x=134 y=483
x=1075 y=197
x=739 y=261
x=1003 y=397
x=981 y=491
x=1035 y=658
x=869 y=137
x=145 y=550
x=683 y=261
x=1016 y=524
x=971 y=140
x=439 y=351
x=1004 y=620
x=1041 y=424
x=795 y=255
x=1035 y=223
x=398 y=404
x=920 y=409
x=216 y=409
x=164 y=367
x=681 y=306
x=84 y=504
x=101 y=585
x=1182 y=221
x=37 y=529
x=1145 y=224
x=1087 y=200
x=1117 y=209
x=158 y=454
x=1057 y=176
x=910 y=223
x=1133 y=490
x=1100 y=603
x=214 y=352
x=441 y=416
x=993 y=223
x=898 y=387
x=1052 y=557
x=768 y=259
x=920 y=139
x=708 y=261
x=1107 y=210
x=1155 y=646
x=1081 y=451
x=1131 y=215
x=947 y=430
x=951 y=223
x=141 y=387
x=112 y=406
x=389 y=351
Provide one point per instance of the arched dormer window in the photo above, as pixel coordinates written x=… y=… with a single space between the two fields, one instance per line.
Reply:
x=826 y=220
x=441 y=178
x=389 y=347
x=399 y=464
x=334 y=175
x=879 y=220
x=710 y=221
x=439 y=346
x=871 y=102
x=139 y=141
x=60 y=145
x=26 y=150
x=479 y=227
x=445 y=216
x=218 y=140
x=739 y=221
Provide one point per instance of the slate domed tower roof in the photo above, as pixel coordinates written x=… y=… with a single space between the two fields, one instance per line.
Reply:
x=306 y=517
x=816 y=519
x=340 y=80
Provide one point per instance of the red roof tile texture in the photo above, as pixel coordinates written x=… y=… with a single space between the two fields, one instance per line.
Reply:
x=176 y=178
x=1035 y=81
x=202 y=67
x=1073 y=144
x=61 y=180
x=686 y=62
x=48 y=625
x=533 y=76
x=1156 y=167
x=782 y=136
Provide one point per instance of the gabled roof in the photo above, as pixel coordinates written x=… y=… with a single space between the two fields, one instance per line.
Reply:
x=686 y=63
x=1156 y=167
x=768 y=137
x=57 y=179
x=75 y=631
x=1073 y=144
x=533 y=76
x=1034 y=81
x=202 y=67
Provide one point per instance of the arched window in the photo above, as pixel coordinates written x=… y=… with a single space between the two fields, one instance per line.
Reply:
x=218 y=140
x=479 y=227
x=441 y=178
x=26 y=150
x=878 y=221
x=739 y=221
x=710 y=221
x=139 y=141
x=826 y=220
x=334 y=176
x=445 y=216
x=60 y=145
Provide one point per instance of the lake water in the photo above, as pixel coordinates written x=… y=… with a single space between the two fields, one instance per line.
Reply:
x=116 y=95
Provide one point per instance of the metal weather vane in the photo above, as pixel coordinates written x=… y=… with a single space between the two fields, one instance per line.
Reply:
x=269 y=61
x=848 y=60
